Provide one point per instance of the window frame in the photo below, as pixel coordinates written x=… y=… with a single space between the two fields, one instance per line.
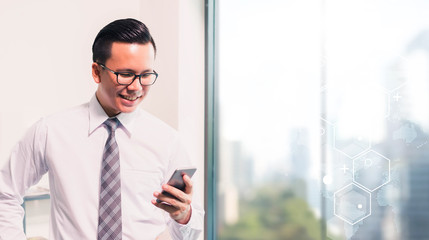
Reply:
x=210 y=121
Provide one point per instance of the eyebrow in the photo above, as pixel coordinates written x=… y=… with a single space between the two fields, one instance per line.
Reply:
x=132 y=71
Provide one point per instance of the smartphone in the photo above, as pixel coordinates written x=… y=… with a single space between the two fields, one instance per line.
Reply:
x=176 y=180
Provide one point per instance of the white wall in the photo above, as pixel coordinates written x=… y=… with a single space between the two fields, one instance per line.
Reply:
x=45 y=63
x=180 y=41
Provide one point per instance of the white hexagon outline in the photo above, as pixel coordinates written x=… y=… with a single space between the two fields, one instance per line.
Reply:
x=397 y=88
x=392 y=92
x=331 y=125
x=388 y=103
x=386 y=92
x=379 y=154
x=356 y=155
x=345 y=220
x=328 y=122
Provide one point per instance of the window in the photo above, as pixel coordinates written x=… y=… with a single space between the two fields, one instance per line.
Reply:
x=321 y=120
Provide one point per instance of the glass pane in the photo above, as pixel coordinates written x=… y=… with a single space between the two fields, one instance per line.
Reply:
x=376 y=166
x=269 y=74
x=323 y=120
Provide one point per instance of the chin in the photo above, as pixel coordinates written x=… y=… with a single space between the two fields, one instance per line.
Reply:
x=128 y=109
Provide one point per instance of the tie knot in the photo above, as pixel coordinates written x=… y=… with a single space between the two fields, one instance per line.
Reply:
x=111 y=124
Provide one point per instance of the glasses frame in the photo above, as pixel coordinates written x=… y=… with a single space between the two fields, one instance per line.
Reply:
x=134 y=78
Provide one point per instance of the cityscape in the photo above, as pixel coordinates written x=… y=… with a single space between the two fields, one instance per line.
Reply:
x=359 y=172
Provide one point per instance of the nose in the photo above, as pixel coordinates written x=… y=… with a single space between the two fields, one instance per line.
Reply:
x=135 y=85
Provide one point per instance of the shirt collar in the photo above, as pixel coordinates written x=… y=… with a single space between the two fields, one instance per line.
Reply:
x=97 y=116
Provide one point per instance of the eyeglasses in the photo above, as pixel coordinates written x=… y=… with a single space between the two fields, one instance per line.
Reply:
x=127 y=78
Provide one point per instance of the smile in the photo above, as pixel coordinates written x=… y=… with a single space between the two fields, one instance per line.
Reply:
x=129 y=98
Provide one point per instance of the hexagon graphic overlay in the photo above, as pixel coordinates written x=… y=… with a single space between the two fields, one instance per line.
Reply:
x=352 y=204
x=371 y=170
x=351 y=147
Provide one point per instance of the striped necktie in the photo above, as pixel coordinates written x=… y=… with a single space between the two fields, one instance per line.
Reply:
x=109 y=219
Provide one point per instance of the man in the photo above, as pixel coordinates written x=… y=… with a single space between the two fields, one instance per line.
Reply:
x=106 y=159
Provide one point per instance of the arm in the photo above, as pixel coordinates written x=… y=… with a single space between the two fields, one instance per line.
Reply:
x=24 y=168
x=186 y=214
x=180 y=208
x=188 y=218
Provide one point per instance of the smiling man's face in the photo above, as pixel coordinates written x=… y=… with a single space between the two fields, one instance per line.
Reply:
x=125 y=57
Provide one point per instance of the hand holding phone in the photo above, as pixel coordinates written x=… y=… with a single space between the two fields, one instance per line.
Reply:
x=176 y=180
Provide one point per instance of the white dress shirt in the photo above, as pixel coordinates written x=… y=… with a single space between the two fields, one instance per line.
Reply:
x=69 y=147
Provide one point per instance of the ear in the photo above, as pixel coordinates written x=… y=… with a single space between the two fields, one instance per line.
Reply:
x=96 y=73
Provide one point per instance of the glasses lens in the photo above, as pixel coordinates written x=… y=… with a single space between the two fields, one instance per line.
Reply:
x=148 y=79
x=125 y=78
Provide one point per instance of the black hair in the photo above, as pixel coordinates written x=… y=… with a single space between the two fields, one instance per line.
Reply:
x=123 y=30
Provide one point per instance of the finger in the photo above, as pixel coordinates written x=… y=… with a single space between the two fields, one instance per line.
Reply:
x=188 y=184
x=162 y=198
x=158 y=196
x=180 y=203
x=166 y=207
x=179 y=214
x=178 y=194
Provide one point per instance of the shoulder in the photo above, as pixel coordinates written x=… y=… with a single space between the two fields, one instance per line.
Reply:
x=155 y=121
x=61 y=120
x=70 y=118
x=155 y=127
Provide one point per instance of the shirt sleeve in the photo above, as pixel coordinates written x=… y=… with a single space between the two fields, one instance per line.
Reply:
x=191 y=230
x=24 y=168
